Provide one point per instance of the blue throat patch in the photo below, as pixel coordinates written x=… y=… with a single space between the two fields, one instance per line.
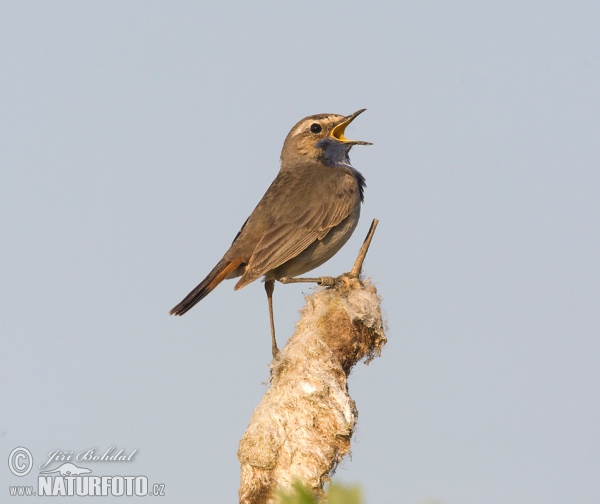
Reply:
x=336 y=154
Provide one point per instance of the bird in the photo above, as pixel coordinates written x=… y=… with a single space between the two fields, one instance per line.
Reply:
x=304 y=218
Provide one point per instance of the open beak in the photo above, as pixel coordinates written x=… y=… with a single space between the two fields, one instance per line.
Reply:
x=338 y=131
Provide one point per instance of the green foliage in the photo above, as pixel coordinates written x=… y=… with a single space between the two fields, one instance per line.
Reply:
x=341 y=494
x=337 y=494
x=300 y=495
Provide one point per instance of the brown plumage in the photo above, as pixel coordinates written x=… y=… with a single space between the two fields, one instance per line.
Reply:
x=308 y=213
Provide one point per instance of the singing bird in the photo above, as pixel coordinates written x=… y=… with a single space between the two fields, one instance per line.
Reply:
x=308 y=213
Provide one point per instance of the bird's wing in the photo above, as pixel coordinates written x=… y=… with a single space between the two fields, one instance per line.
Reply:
x=298 y=214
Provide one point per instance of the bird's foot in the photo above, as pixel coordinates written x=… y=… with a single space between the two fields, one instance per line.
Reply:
x=325 y=281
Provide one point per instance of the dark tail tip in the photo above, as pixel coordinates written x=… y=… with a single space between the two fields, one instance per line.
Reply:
x=178 y=310
x=194 y=297
x=204 y=288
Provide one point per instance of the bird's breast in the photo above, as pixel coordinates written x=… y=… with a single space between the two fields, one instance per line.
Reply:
x=319 y=251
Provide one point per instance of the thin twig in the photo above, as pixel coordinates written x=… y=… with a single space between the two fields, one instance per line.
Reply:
x=357 y=268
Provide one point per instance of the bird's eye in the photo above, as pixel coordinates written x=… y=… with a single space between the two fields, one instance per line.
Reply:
x=315 y=128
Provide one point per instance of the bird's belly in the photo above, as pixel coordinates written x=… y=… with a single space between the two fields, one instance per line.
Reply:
x=319 y=251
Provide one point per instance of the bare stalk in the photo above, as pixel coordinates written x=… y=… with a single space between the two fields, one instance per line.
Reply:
x=304 y=423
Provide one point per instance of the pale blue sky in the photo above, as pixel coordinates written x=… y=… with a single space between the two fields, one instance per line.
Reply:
x=136 y=137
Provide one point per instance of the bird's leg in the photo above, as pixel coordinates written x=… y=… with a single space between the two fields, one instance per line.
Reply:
x=325 y=281
x=270 y=287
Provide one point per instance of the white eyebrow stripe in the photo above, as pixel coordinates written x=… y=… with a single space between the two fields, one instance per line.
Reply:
x=300 y=128
x=305 y=124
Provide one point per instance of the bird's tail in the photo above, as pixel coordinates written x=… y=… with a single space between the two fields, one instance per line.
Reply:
x=214 y=278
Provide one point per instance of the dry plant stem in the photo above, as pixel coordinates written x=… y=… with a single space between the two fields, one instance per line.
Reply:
x=357 y=268
x=327 y=281
x=304 y=423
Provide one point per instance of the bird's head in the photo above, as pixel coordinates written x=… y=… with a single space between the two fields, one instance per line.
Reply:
x=320 y=138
